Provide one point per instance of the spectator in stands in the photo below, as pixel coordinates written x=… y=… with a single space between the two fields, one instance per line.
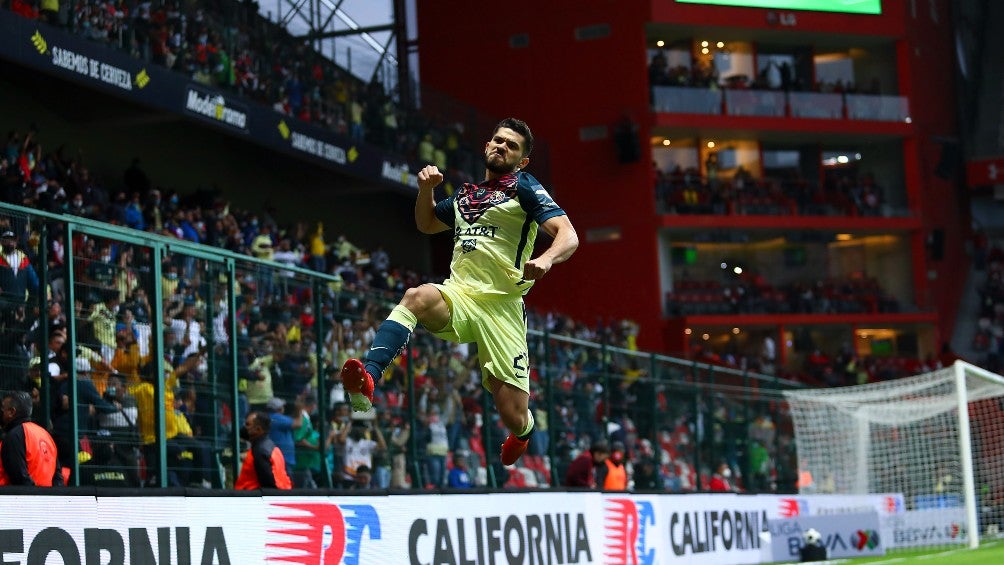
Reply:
x=318 y=249
x=102 y=318
x=339 y=426
x=613 y=474
x=53 y=316
x=582 y=470
x=459 y=477
x=437 y=446
x=759 y=461
x=263 y=466
x=262 y=247
x=259 y=386
x=362 y=479
x=308 y=444
x=359 y=449
x=721 y=480
x=28 y=453
x=195 y=452
x=185 y=454
x=18 y=281
x=344 y=249
x=186 y=327
x=139 y=305
x=281 y=431
x=399 y=436
x=121 y=427
x=89 y=401
x=647 y=476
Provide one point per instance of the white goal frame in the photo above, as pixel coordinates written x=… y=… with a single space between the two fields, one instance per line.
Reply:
x=820 y=414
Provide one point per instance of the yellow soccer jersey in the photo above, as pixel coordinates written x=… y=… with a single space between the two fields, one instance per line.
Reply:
x=494 y=227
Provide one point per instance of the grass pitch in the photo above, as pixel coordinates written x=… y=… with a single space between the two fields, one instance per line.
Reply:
x=989 y=553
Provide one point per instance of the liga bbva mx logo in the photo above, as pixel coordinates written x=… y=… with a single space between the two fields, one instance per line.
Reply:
x=317 y=533
x=626 y=524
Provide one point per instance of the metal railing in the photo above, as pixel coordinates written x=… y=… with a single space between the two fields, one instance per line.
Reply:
x=167 y=345
x=776 y=103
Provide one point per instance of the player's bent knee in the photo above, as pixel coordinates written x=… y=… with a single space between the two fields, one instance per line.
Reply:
x=419 y=299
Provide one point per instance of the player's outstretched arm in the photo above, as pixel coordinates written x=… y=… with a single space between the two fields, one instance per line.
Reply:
x=425 y=204
x=565 y=242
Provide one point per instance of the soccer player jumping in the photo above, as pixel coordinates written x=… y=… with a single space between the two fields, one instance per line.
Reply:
x=494 y=226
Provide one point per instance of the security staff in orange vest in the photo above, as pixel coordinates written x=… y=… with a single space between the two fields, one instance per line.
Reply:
x=28 y=453
x=264 y=466
x=615 y=477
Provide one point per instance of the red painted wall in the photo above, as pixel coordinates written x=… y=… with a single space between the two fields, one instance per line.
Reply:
x=927 y=68
x=559 y=85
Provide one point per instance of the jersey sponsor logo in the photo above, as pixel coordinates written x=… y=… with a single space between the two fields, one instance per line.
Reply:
x=473 y=200
x=468 y=245
x=626 y=524
x=321 y=532
x=483 y=231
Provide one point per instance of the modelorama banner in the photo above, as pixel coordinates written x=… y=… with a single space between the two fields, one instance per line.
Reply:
x=512 y=528
x=55 y=52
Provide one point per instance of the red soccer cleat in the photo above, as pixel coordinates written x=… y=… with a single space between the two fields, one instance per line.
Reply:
x=513 y=448
x=359 y=384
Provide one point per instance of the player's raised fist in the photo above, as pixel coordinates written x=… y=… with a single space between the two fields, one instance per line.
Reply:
x=429 y=177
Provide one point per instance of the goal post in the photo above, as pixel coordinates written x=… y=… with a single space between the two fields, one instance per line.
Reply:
x=936 y=438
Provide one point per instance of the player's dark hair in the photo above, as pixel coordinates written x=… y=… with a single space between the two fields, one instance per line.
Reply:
x=520 y=127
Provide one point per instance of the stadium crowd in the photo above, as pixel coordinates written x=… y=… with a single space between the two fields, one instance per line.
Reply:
x=231 y=46
x=754 y=295
x=686 y=191
x=703 y=73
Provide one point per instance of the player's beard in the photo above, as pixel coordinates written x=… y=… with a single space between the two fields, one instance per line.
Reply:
x=498 y=167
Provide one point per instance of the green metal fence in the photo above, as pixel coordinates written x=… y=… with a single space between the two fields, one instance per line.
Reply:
x=165 y=345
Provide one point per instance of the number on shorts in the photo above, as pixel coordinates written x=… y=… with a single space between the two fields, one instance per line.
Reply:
x=519 y=363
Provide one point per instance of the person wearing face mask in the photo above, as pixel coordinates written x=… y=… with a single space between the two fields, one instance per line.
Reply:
x=720 y=481
x=585 y=469
x=613 y=475
x=102 y=271
x=264 y=466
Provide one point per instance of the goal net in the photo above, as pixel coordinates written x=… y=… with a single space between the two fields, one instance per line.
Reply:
x=937 y=438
